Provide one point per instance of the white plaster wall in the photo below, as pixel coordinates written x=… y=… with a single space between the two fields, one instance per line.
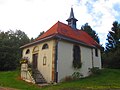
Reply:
x=46 y=70
x=86 y=58
x=27 y=55
x=97 y=59
x=65 y=59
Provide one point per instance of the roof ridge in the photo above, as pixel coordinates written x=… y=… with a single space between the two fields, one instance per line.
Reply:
x=58 y=23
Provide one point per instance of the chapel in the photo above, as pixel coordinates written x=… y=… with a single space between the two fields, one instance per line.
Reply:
x=59 y=52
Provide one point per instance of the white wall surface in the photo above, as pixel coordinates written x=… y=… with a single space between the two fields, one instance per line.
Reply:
x=97 y=59
x=46 y=70
x=65 y=60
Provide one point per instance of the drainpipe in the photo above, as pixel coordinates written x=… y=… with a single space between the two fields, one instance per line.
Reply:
x=92 y=58
x=56 y=60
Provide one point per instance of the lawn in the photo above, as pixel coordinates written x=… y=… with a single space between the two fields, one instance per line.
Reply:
x=109 y=79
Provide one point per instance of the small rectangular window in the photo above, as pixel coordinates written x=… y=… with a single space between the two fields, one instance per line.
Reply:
x=96 y=52
x=44 y=60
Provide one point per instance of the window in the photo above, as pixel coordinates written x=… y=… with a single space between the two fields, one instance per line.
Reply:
x=96 y=52
x=45 y=46
x=44 y=60
x=76 y=56
x=27 y=51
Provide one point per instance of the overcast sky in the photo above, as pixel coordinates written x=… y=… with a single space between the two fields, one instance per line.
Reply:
x=34 y=16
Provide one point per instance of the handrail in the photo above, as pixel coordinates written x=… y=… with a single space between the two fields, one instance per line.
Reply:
x=26 y=75
x=31 y=78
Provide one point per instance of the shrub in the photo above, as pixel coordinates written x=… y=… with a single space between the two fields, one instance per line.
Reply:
x=76 y=75
x=112 y=59
x=24 y=60
x=95 y=70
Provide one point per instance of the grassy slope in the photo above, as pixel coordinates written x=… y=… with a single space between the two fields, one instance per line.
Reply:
x=11 y=79
x=109 y=78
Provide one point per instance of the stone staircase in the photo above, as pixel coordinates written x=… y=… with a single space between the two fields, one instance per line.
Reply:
x=38 y=77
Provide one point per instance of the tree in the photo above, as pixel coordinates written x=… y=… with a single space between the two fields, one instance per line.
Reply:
x=41 y=33
x=112 y=52
x=32 y=39
x=113 y=37
x=7 y=59
x=87 y=28
x=10 y=52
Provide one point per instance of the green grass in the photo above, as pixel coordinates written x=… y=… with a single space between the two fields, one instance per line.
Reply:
x=12 y=79
x=109 y=79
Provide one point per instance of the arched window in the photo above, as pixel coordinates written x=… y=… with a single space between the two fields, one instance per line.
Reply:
x=35 y=49
x=76 y=56
x=27 y=51
x=45 y=46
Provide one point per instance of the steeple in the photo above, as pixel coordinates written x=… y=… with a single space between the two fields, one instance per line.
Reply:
x=72 y=20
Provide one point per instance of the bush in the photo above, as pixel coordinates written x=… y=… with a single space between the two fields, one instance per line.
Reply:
x=76 y=75
x=112 y=59
x=95 y=70
x=24 y=60
x=8 y=60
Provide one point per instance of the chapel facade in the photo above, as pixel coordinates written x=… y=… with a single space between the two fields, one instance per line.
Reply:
x=59 y=52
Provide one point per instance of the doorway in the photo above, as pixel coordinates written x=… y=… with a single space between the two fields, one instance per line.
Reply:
x=35 y=60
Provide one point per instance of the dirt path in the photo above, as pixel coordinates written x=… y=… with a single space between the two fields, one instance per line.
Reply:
x=4 y=88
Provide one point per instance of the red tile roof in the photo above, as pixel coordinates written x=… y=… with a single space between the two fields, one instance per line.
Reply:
x=66 y=31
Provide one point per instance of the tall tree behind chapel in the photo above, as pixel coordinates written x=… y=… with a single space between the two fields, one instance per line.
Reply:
x=113 y=37
x=87 y=28
x=112 y=52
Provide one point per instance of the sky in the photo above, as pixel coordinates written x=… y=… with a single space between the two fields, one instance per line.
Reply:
x=35 y=16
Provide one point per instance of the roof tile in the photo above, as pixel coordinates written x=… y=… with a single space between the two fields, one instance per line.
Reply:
x=67 y=31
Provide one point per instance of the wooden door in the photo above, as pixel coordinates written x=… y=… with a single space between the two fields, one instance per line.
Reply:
x=35 y=60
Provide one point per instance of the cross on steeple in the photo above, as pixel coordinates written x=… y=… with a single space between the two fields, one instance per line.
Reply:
x=72 y=20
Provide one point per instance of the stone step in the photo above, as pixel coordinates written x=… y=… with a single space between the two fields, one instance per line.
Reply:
x=39 y=79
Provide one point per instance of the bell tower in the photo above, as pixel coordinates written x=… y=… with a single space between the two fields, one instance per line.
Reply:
x=72 y=20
